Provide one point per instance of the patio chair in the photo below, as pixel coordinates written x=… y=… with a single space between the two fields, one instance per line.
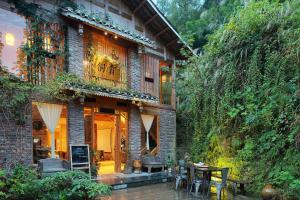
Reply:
x=194 y=180
x=182 y=174
x=220 y=185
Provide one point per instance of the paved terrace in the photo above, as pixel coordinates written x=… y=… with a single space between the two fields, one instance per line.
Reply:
x=163 y=191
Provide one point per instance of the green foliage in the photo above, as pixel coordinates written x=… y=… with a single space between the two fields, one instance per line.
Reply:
x=24 y=183
x=14 y=96
x=242 y=95
x=2 y=185
x=196 y=19
x=61 y=86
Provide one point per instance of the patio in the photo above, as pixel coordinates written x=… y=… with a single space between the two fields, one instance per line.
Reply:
x=163 y=191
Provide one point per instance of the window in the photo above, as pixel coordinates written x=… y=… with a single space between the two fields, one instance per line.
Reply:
x=153 y=136
x=165 y=83
x=12 y=33
x=19 y=36
x=49 y=41
x=42 y=136
x=105 y=60
x=150 y=75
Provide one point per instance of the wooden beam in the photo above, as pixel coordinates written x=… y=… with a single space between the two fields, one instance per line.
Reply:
x=162 y=31
x=151 y=19
x=172 y=42
x=139 y=6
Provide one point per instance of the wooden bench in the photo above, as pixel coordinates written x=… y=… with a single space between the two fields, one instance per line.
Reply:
x=236 y=183
x=150 y=161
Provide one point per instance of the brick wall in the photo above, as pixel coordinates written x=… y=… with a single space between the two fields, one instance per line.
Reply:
x=75 y=57
x=16 y=140
x=75 y=123
x=134 y=69
x=134 y=136
x=167 y=129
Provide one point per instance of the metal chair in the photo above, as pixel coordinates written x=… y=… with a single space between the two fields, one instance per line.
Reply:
x=220 y=185
x=182 y=174
x=194 y=180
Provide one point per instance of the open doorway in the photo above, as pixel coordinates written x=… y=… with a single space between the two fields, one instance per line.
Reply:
x=105 y=142
x=107 y=135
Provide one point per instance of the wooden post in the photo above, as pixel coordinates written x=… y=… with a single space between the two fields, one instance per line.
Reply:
x=117 y=144
x=173 y=100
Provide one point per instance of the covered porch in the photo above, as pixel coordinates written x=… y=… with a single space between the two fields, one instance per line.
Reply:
x=112 y=127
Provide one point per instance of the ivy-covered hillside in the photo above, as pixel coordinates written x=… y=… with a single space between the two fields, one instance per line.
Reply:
x=242 y=97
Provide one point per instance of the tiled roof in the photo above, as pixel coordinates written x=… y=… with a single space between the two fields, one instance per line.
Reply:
x=113 y=93
x=107 y=25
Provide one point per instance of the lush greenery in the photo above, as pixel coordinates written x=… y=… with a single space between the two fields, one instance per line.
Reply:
x=24 y=184
x=14 y=96
x=242 y=96
x=196 y=19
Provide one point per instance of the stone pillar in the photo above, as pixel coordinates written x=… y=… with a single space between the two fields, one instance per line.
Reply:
x=75 y=46
x=134 y=69
x=134 y=136
x=75 y=123
x=167 y=135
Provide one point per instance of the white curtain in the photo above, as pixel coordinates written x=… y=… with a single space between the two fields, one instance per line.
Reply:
x=50 y=114
x=147 y=121
x=104 y=139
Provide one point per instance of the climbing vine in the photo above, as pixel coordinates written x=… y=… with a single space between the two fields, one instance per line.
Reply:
x=243 y=96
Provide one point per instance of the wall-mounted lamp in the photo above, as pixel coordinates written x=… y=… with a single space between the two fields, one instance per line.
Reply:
x=116 y=37
x=140 y=49
x=105 y=33
x=80 y=29
x=81 y=100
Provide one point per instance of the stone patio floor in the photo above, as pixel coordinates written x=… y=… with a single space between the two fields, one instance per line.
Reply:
x=163 y=191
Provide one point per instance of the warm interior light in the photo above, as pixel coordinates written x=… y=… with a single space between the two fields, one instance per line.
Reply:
x=9 y=39
x=163 y=78
x=47 y=43
x=85 y=62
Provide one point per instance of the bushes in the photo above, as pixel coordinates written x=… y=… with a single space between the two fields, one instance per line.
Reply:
x=24 y=184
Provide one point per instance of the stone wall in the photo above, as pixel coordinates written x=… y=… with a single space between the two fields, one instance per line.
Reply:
x=75 y=123
x=16 y=140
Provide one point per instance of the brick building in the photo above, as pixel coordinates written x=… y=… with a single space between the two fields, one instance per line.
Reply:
x=130 y=49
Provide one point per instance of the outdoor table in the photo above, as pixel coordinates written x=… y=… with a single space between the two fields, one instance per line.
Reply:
x=207 y=172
